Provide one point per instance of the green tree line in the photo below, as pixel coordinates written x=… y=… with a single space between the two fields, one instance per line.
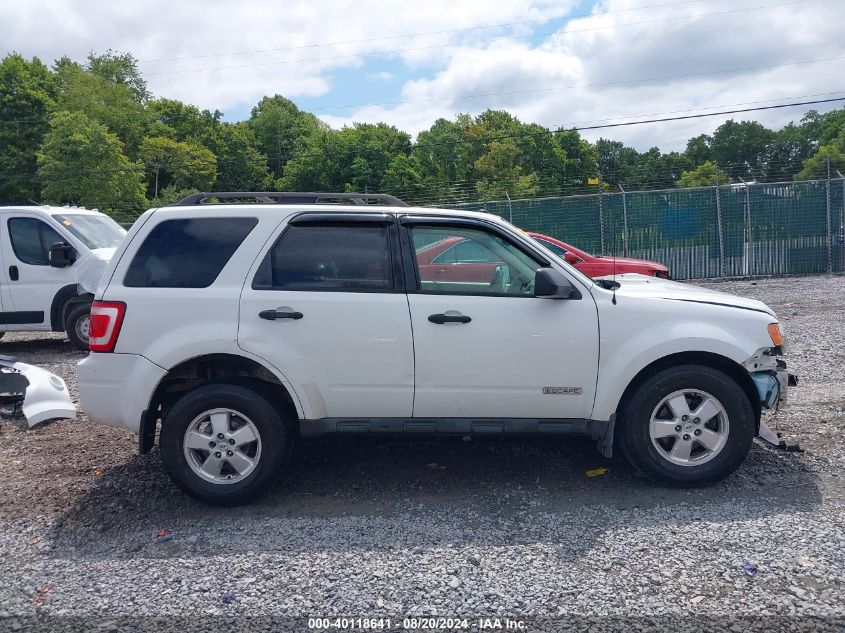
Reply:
x=92 y=134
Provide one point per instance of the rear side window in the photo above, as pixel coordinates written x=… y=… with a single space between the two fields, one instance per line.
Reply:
x=340 y=258
x=31 y=240
x=187 y=253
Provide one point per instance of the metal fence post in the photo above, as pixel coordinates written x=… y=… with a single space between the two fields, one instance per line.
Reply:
x=601 y=221
x=624 y=220
x=829 y=236
x=749 y=268
x=510 y=208
x=719 y=231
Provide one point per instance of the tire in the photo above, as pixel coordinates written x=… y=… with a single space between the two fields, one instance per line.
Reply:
x=718 y=444
x=77 y=326
x=235 y=482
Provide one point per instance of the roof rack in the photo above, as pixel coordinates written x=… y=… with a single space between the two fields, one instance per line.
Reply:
x=292 y=197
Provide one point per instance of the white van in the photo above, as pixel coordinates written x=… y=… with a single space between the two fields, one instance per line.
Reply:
x=50 y=261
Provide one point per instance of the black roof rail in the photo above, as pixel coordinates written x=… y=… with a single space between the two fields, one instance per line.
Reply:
x=292 y=197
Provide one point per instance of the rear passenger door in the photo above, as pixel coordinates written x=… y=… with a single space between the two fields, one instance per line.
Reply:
x=325 y=304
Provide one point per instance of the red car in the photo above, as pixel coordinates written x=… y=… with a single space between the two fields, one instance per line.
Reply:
x=458 y=259
x=598 y=265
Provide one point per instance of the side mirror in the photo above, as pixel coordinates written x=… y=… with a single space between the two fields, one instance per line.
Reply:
x=572 y=258
x=552 y=284
x=62 y=255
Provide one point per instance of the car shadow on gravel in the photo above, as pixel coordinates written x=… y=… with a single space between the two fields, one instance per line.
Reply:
x=490 y=490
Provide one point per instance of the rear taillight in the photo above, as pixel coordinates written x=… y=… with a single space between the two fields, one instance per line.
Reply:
x=106 y=319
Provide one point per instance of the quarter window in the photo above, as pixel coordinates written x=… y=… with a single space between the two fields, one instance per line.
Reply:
x=473 y=262
x=31 y=240
x=324 y=257
x=187 y=253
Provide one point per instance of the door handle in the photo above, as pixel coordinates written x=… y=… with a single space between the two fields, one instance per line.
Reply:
x=13 y=273
x=440 y=319
x=280 y=313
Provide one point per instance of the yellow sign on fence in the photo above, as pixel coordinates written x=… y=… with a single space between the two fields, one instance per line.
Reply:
x=592 y=181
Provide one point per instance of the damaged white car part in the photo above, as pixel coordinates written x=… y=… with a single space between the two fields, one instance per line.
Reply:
x=36 y=393
x=772 y=381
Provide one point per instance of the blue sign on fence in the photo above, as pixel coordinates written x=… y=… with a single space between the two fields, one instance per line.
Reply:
x=680 y=223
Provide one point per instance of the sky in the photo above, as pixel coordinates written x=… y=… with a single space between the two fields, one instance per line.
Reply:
x=556 y=63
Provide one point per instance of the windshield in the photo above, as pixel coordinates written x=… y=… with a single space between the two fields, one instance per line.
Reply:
x=95 y=231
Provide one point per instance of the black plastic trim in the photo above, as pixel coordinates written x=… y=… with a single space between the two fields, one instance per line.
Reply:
x=292 y=197
x=146 y=432
x=21 y=318
x=452 y=426
x=342 y=218
x=65 y=297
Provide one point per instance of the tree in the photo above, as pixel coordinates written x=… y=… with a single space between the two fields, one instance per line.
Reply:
x=81 y=162
x=699 y=150
x=173 y=163
x=705 y=175
x=278 y=126
x=119 y=68
x=403 y=178
x=817 y=165
x=581 y=160
x=115 y=105
x=27 y=93
x=743 y=148
x=240 y=165
x=349 y=159
x=183 y=122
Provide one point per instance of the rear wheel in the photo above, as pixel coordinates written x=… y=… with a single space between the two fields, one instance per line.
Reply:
x=688 y=425
x=78 y=326
x=224 y=444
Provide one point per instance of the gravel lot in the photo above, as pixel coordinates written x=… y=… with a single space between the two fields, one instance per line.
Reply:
x=497 y=528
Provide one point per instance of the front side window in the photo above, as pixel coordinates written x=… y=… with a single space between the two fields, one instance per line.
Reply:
x=324 y=257
x=478 y=263
x=188 y=253
x=95 y=231
x=31 y=240
x=557 y=250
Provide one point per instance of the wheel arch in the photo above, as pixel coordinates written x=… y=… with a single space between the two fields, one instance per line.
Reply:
x=208 y=369
x=66 y=297
x=707 y=359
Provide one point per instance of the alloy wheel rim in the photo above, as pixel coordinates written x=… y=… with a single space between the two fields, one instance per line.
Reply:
x=222 y=446
x=689 y=427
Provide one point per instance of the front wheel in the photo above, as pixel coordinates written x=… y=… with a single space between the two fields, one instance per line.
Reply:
x=689 y=425
x=78 y=326
x=223 y=444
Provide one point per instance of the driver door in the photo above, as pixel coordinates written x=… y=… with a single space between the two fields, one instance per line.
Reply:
x=491 y=349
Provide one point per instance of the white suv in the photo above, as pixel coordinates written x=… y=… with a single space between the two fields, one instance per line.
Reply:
x=240 y=327
x=50 y=260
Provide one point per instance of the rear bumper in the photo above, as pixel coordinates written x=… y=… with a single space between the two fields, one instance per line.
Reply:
x=115 y=389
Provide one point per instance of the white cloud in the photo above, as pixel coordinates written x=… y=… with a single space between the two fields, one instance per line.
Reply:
x=587 y=73
x=583 y=72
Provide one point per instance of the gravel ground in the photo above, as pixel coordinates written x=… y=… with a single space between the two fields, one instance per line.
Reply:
x=92 y=535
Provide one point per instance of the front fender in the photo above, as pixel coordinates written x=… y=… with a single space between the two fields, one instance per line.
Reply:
x=629 y=344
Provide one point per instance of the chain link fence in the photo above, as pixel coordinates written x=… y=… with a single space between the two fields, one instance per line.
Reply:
x=784 y=228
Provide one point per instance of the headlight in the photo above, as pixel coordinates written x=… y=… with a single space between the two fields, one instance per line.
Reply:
x=776 y=334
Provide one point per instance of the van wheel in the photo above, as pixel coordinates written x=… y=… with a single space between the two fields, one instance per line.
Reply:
x=78 y=326
x=689 y=425
x=223 y=444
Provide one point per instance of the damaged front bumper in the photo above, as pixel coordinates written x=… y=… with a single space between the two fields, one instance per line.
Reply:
x=770 y=377
x=34 y=392
x=772 y=381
